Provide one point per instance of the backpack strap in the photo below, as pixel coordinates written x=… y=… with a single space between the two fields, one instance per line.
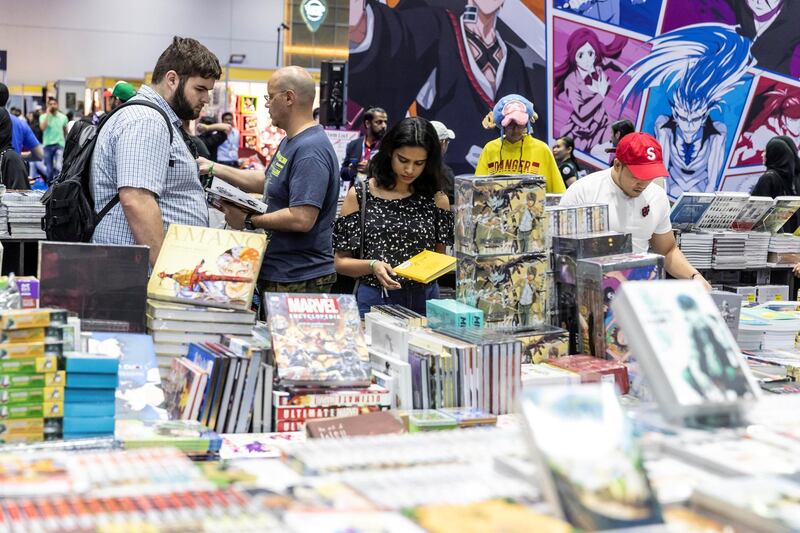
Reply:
x=115 y=200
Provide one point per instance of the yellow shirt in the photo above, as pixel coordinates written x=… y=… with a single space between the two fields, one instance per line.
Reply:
x=526 y=156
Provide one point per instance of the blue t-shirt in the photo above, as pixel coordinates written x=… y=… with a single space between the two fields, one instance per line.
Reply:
x=304 y=171
x=22 y=137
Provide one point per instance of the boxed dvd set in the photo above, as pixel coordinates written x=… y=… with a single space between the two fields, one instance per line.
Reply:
x=499 y=214
x=598 y=281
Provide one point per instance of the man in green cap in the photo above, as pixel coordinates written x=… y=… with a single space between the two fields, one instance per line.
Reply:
x=122 y=92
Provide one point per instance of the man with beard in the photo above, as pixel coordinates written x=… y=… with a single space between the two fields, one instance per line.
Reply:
x=157 y=182
x=360 y=151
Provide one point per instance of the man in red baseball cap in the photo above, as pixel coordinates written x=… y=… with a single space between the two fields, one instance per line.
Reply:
x=633 y=205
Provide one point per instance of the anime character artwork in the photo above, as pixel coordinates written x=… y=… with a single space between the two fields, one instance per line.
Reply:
x=770 y=24
x=698 y=80
x=640 y=16
x=448 y=60
x=587 y=81
x=774 y=110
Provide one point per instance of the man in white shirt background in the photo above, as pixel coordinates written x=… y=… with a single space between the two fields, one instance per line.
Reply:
x=633 y=205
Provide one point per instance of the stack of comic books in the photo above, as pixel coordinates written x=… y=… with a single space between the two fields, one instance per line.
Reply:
x=784 y=248
x=32 y=379
x=697 y=247
x=25 y=212
x=756 y=249
x=90 y=394
x=728 y=250
x=202 y=287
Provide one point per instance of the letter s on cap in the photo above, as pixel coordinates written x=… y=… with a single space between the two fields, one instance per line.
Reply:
x=651 y=153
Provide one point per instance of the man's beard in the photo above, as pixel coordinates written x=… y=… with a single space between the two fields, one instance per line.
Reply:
x=378 y=135
x=180 y=104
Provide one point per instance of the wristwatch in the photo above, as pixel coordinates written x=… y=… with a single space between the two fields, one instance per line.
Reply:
x=248 y=222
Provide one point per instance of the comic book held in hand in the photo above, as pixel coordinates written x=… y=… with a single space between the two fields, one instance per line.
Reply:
x=317 y=339
x=684 y=348
x=206 y=266
x=218 y=191
x=599 y=487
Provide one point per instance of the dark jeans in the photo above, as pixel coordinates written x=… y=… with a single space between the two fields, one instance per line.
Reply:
x=312 y=286
x=52 y=160
x=410 y=298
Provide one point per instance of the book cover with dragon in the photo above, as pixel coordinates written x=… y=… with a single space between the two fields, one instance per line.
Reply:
x=500 y=214
x=206 y=266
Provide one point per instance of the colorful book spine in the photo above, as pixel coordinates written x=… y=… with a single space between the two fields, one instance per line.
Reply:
x=343 y=398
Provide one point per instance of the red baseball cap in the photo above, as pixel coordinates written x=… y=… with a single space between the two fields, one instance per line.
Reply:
x=641 y=153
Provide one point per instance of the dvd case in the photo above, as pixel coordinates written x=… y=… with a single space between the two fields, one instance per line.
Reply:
x=598 y=281
x=499 y=214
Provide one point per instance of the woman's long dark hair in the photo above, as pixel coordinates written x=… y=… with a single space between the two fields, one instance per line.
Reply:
x=411 y=131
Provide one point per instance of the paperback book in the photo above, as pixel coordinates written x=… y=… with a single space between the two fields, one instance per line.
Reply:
x=218 y=191
x=723 y=210
x=684 y=346
x=756 y=208
x=785 y=207
x=206 y=266
x=595 y=487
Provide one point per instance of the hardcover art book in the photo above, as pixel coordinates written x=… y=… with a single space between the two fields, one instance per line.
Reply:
x=685 y=348
x=601 y=486
x=599 y=279
x=509 y=289
x=206 y=266
x=317 y=339
x=499 y=214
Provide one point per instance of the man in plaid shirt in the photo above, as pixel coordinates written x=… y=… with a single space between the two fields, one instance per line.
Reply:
x=157 y=182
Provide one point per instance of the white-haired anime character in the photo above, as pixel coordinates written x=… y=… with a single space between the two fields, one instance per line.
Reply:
x=697 y=66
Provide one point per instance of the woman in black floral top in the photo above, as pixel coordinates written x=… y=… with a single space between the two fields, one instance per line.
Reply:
x=406 y=213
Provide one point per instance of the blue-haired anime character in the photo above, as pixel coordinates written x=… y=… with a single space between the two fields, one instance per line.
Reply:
x=696 y=66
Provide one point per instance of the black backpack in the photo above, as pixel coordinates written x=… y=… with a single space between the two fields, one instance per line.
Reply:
x=70 y=214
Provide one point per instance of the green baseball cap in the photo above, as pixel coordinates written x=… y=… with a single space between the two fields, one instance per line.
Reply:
x=124 y=91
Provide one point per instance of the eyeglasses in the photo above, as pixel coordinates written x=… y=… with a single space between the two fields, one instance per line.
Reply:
x=268 y=98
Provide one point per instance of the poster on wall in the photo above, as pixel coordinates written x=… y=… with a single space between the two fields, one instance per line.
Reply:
x=694 y=84
x=448 y=60
x=587 y=82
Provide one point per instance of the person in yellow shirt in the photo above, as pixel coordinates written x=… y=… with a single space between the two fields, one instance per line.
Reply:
x=516 y=151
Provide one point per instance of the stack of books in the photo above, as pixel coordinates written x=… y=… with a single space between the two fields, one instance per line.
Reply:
x=784 y=248
x=729 y=248
x=756 y=249
x=89 y=406
x=321 y=360
x=175 y=326
x=697 y=248
x=25 y=212
x=31 y=386
x=453 y=314
x=211 y=274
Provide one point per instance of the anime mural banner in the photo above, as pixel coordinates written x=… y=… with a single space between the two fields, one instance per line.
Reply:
x=587 y=84
x=695 y=82
x=448 y=60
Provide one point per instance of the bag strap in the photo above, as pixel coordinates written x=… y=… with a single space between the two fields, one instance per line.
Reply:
x=362 y=222
x=115 y=200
